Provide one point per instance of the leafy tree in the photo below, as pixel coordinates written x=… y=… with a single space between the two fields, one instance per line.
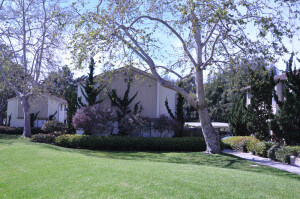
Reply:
x=123 y=104
x=89 y=90
x=190 y=113
x=259 y=111
x=210 y=33
x=57 y=82
x=30 y=31
x=286 y=124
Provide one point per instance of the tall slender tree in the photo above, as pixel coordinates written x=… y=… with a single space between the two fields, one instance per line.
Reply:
x=179 y=115
x=71 y=98
x=259 y=111
x=123 y=104
x=90 y=90
x=286 y=124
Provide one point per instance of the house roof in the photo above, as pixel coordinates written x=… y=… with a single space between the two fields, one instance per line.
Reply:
x=52 y=97
x=280 y=77
x=121 y=70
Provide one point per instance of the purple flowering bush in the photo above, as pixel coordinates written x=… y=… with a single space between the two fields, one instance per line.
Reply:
x=94 y=121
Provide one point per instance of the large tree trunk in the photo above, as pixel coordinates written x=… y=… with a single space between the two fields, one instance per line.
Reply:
x=210 y=135
x=26 y=108
x=1 y=118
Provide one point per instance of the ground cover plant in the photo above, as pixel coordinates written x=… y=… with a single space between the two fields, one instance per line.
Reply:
x=35 y=170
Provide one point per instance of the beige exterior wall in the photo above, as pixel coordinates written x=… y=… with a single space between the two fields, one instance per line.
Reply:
x=12 y=108
x=145 y=86
x=151 y=95
x=36 y=105
x=45 y=105
x=163 y=94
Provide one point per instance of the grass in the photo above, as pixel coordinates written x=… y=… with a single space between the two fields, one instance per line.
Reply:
x=34 y=170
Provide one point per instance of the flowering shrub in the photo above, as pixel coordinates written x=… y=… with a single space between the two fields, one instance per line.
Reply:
x=93 y=120
x=53 y=125
x=133 y=125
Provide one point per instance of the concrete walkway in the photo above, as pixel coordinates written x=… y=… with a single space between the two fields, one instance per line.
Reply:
x=264 y=161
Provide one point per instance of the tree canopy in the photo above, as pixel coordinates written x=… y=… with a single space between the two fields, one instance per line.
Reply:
x=185 y=38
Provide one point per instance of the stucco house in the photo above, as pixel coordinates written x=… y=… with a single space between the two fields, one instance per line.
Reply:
x=151 y=94
x=45 y=105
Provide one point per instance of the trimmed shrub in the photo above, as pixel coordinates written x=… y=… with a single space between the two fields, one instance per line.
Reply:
x=268 y=145
x=272 y=150
x=295 y=150
x=238 y=142
x=18 y=130
x=251 y=146
x=11 y=130
x=131 y=143
x=53 y=125
x=283 y=154
x=44 y=138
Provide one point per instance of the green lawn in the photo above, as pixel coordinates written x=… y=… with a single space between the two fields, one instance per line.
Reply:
x=33 y=170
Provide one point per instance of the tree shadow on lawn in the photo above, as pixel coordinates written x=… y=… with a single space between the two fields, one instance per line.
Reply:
x=10 y=139
x=194 y=158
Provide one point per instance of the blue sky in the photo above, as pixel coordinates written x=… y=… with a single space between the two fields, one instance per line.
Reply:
x=292 y=46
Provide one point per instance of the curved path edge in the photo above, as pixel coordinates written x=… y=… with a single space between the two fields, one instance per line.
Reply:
x=264 y=161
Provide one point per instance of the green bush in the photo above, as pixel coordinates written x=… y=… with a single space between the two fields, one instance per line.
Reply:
x=44 y=138
x=295 y=150
x=131 y=143
x=283 y=154
x=53 y=125
x=268 y=145
x=18 y=130
x=238 y=142
x=251 y=146
x=11 y=130
x=272 y=150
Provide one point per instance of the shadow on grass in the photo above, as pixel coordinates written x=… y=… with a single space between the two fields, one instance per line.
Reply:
x=227 y=161
x=193 y=158
x=9 y=139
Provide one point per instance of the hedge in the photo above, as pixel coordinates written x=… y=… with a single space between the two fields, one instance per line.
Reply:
x=18 y=130
x=238 y=143
x=283 y=154
x=44 y=138
x=126 y=143
x=265 y=149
